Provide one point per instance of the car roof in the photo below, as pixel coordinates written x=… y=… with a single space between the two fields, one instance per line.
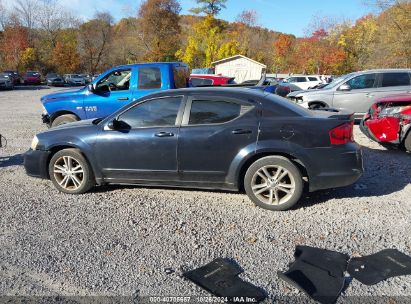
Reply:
x=150 y=64
x=383 y=71
x=211 y=90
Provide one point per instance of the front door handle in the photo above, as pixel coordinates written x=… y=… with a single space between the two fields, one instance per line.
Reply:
x=164 y=134
x=122 y=98
x=241 y=131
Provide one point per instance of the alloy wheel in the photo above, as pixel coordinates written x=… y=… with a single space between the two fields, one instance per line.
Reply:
x=273 y=185
x=68 y=173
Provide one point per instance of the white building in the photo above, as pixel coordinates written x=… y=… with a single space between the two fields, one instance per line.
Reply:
x=240 y=67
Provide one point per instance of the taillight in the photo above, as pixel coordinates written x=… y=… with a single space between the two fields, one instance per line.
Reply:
x=342 y=134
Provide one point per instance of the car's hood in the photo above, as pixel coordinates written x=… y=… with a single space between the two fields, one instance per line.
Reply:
x=66 y=94
x=72 y=125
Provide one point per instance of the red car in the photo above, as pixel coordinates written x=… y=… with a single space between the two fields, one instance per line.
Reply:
x=199 y=80
x=388 y=121
x=32 y=78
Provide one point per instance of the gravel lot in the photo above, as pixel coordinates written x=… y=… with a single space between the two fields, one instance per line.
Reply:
x=120 y=240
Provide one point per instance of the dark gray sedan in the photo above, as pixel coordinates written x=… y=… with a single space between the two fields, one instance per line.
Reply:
x=210 y=138
x=6 y=81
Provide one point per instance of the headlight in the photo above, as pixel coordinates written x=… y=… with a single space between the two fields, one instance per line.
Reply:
x=34 y=143
x=44 y=110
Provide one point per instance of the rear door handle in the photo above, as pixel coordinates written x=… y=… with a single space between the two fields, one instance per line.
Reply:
x=122 y=98
x=164 y=134
x=241 y=131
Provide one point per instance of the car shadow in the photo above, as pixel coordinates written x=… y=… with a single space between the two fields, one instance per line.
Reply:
x=9 y=161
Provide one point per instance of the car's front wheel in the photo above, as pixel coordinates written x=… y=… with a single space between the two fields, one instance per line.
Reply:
x=70 y=172
x=63 y=119
x=274 y=183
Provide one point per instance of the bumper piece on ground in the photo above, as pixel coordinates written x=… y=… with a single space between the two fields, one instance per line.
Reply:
x=220 y=277
x=317 y=272
x=378 y=267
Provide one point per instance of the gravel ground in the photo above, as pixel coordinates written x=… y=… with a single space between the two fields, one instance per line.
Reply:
x=119 y=241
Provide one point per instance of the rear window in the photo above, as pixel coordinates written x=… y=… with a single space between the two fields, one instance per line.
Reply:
x=181 y=75
x=395 y=79
x=198 y=82
x=149 y=78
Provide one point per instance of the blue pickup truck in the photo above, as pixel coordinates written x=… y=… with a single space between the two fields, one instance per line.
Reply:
x=112 y=90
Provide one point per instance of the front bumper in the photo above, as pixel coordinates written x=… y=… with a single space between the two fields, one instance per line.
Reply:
x=335 y=167
x=36 y=163
x=45 y=118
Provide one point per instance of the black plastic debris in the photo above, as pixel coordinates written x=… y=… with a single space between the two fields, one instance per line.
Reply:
x=220 y=277
x=317 y=272
x=378 y=267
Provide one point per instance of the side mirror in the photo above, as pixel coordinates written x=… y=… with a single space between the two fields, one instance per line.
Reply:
x=112 y=125
x=91 y=88
x=344 y=87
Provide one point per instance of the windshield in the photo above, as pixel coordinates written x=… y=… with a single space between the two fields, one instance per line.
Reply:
x=4 y=75
x=32 y=73
x=337 y=81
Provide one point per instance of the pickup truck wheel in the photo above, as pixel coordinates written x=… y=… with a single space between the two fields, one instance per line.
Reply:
x=70 y=172
x=274 y=183
x=407 y=142
x=63 y=119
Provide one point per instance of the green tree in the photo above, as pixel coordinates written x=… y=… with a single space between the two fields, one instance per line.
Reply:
x=209 y=7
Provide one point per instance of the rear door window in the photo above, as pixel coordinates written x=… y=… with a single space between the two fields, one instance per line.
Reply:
x=365 y=81
x=149 y=78
x=215 y=112
x=301 y=79
x=395 y=79
x=312 y=79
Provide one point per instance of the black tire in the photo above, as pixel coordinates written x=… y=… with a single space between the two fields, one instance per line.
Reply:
x=64 y=119
x=87 y=176
x=407 y=142
x=294 y=177
x=317 y=105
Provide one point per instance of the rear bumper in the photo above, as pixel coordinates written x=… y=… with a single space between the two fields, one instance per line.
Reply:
x=35 y=163
x=336 y=167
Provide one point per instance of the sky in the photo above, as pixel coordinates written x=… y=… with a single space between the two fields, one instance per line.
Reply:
x=287 y=16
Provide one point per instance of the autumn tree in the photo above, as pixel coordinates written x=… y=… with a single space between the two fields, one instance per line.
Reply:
x=94 y=39
x=65 y=56
x=209 y=7
x=127 y=45
x=52 y=18
x=282 y=52
x=203 y=44
x=160 y=29
x=14 y=41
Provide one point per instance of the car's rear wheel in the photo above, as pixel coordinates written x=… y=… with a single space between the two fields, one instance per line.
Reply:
x=70 y=172
x=274 y=183
x=407 y=142
x=63 y=119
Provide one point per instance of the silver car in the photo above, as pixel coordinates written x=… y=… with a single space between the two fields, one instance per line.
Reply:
x=74 y=79
x=356 y=91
